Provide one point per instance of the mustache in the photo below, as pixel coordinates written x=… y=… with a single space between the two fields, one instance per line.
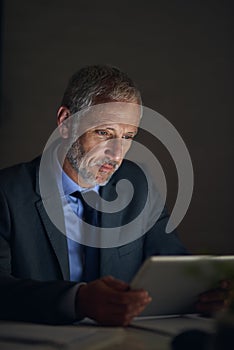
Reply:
x=106 y=161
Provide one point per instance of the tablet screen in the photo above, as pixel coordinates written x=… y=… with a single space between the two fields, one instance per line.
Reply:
x=174 y=282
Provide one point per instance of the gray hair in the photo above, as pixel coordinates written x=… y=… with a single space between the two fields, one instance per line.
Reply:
x=98 y=84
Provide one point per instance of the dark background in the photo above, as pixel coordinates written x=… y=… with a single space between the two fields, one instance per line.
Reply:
x=180 y=53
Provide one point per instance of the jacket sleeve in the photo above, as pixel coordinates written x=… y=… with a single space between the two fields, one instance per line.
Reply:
x=51 y=302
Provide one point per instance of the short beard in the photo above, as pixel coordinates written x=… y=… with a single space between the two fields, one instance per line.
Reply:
x=75 y=156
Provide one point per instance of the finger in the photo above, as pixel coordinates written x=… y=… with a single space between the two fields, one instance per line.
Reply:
x=121 y=317
x=209 y=309
x=139 y=296
x=226 y=284
x=132 y=307
x=115 y=283
x=129 y=297
x=135 y=312
x=213 y=295
x=115 y=315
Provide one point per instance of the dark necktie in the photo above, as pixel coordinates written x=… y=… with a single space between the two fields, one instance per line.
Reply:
x=91 y=268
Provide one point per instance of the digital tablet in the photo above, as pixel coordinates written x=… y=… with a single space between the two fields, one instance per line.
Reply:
x=174 y=282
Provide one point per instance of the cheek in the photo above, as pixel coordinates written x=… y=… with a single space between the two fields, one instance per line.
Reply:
x=126 y=146
x=95 y=150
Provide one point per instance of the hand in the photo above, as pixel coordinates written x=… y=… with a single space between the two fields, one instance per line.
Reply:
x=110 y=301
x=217 y=299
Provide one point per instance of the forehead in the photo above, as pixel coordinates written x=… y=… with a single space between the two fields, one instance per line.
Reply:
x=112 y=114
x=115 y=127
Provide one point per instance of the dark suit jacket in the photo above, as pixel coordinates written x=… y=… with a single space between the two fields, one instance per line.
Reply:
x=34 y=265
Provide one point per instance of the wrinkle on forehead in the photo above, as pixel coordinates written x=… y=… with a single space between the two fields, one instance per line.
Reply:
x=106 y=114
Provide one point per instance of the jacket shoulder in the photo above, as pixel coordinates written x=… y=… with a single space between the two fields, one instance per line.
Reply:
x=18 y=174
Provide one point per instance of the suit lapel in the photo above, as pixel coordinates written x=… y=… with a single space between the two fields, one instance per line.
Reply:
x=57 y=239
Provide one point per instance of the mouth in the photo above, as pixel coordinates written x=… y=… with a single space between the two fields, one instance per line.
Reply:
x=106 y=168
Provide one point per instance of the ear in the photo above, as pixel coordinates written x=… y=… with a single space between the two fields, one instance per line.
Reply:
x=63 y=121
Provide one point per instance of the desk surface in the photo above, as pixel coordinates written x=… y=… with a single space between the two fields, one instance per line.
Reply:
x=25 y=336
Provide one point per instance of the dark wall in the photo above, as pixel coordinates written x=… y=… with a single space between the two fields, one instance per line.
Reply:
x=179 y=52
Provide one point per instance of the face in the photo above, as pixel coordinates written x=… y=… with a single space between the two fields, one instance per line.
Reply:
x=100 y=150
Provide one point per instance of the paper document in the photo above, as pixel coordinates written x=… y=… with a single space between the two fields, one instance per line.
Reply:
x=17 y=336
x=172 y=325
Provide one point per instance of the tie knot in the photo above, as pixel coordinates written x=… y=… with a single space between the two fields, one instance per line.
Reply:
x=77 y=194
x=89 y=214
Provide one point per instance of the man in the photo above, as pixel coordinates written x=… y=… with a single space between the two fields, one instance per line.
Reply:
x=49 y=271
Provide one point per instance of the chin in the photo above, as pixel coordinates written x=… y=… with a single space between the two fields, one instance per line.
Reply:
x=103 y=181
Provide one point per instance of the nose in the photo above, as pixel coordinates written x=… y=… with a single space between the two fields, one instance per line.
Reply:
x=114 y=149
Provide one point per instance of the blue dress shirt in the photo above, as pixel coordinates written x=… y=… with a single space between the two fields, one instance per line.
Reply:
x=66 y=187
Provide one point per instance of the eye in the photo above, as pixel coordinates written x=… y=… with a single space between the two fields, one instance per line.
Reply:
x=128 y=137
x=102 y=132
